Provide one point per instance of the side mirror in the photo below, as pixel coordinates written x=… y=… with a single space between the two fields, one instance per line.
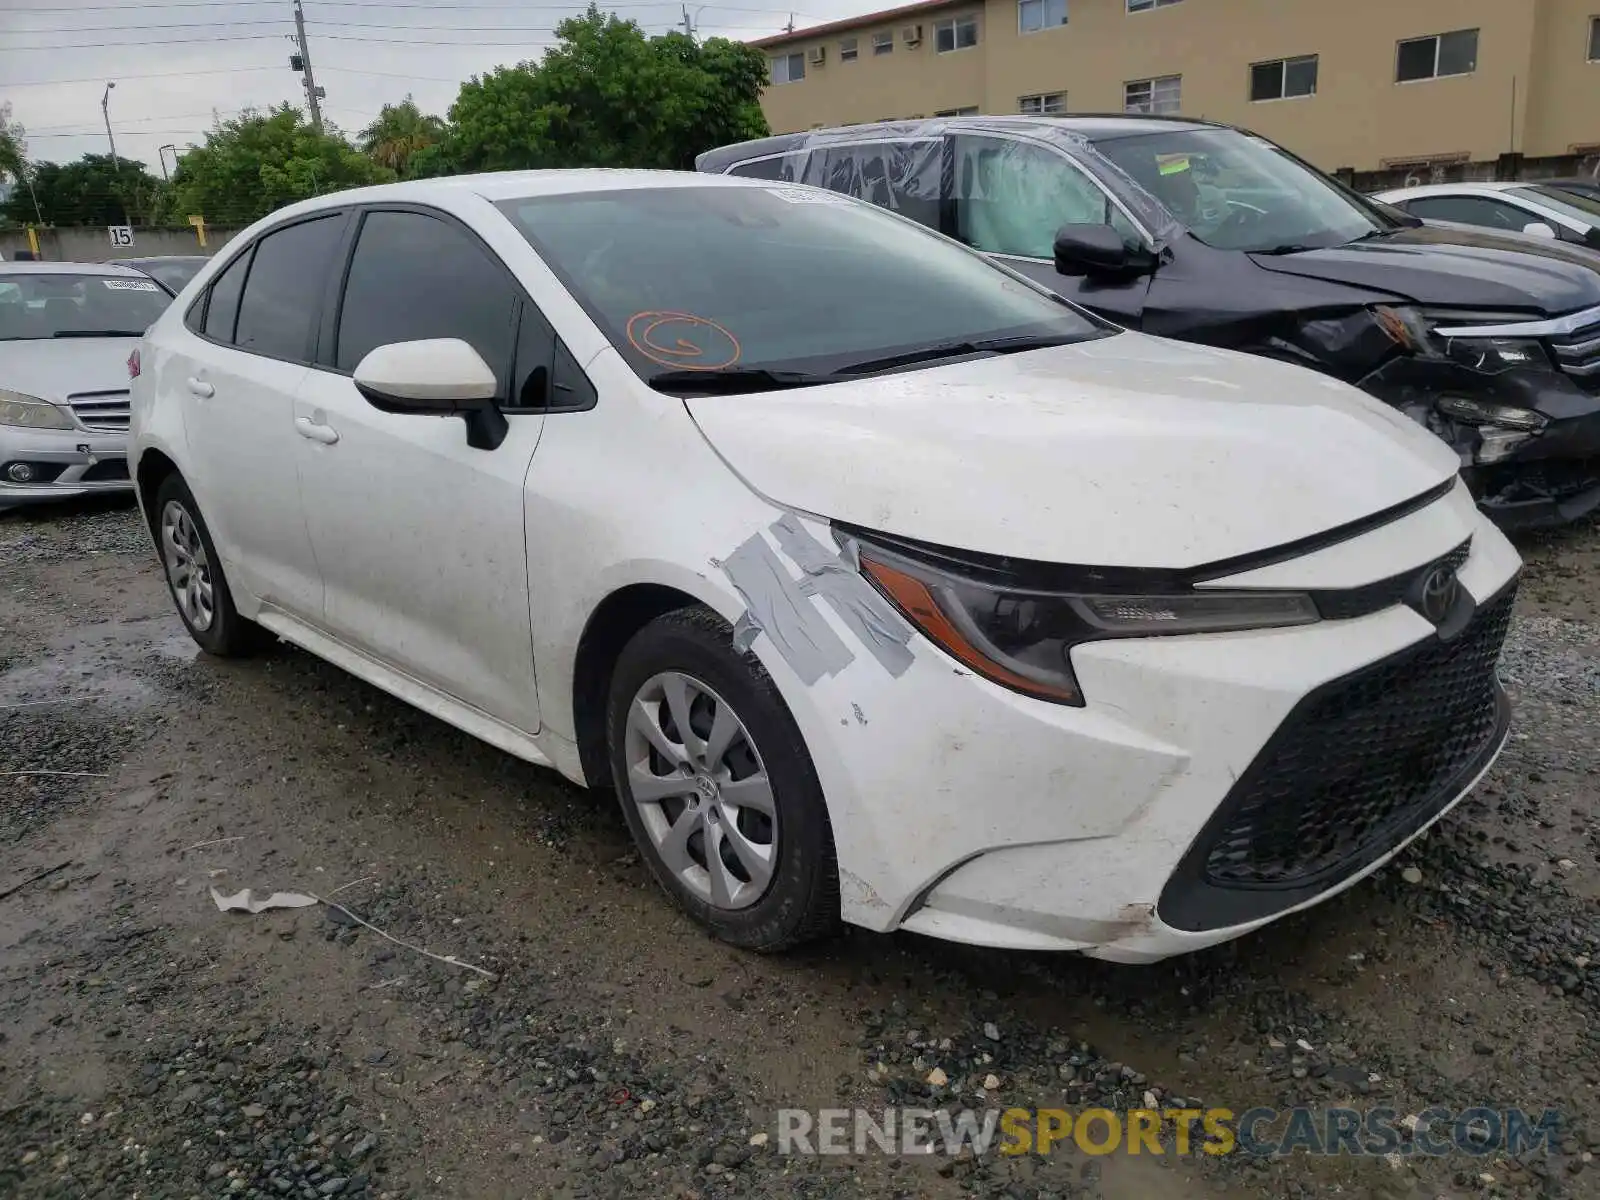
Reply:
x=438 y=377
x=1539 y=229
x=1098 y=250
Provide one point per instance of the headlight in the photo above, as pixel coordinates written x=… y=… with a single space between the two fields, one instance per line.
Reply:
x=1484 y=412
x=1023 y=639
x=1415 y=331
x=30 y=412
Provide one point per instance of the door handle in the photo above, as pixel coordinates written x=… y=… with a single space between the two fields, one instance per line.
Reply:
x=201 y=388
x=307 y=428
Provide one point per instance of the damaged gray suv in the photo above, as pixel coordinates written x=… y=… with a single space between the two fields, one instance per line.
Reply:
x=1207 y=233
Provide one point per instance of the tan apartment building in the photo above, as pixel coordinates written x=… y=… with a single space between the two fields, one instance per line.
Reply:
x=1358 y=85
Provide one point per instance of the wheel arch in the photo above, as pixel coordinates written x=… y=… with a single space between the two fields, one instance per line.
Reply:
x=152 y=469
x=611 y=625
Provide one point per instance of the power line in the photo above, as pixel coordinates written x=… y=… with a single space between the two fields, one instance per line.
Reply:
x=513 y=7
x=244 y=37
x=126 y=75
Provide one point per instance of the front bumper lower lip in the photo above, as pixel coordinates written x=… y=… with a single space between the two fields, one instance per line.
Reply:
x=76 y=450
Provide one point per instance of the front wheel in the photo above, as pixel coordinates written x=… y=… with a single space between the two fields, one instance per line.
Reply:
x=717 y=785
x=194 y=576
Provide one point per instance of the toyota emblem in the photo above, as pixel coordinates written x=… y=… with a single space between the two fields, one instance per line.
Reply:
x=1437 y=598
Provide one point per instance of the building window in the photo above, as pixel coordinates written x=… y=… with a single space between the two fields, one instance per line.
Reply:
x=1034 y=15
x=883 y=43
x=1147 y=5
x=970 y=111
x=1594 y=39
x=1284 y=78
x=1045 y=105
x=791 y=68
x=847 y=50
x=1163 y=95
x=960 y=33
x=1442 y=54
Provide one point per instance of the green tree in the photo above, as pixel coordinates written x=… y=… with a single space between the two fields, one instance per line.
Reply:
x=90 y=191
x=608 y=96
x=13 y=150
x=258 y=162
x=400 y=133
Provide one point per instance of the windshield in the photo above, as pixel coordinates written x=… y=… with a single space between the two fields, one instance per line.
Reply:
x=1239 y=192
x=779 y=278
x=1569 y=204
x=49 y=306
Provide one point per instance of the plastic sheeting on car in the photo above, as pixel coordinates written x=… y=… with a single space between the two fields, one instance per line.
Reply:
x=996 y=171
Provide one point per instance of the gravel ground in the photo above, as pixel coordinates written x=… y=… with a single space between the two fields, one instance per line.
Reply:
x=153 y=1046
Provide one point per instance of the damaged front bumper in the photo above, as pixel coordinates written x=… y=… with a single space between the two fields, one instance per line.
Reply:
x=1528 y=436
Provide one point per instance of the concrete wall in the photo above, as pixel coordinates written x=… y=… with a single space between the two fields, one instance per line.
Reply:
x=94 y=245
x=1534 y=90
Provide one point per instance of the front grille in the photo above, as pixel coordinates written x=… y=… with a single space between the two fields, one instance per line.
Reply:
x=106 y=412
x=1360 y=764
x=1578 y=353
x=1385 y=593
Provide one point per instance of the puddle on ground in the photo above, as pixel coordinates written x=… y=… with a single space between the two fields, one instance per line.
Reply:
x=107 y=663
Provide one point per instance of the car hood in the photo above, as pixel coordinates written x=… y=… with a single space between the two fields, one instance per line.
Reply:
x=1457 y=267
x=1123 y=451
x=55 y=368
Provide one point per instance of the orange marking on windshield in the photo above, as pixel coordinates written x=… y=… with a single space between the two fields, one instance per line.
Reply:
x=648 y=333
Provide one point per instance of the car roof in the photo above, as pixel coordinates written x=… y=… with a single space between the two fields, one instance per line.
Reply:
x=1096 y=127
x=67 y=268
x=1487 y=188
x=161 y=258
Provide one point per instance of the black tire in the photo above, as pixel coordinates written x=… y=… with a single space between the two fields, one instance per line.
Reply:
x=226 y=634
x=801 y=900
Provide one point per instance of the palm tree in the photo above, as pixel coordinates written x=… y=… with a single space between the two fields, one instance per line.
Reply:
x=399 y=132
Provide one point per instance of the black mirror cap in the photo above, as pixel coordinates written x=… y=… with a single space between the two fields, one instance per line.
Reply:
x=486 y=424
x=1085 y=249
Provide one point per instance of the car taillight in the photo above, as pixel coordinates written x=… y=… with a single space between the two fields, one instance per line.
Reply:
x=133 y=364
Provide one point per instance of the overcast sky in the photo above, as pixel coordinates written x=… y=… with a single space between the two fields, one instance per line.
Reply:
x=177 y=63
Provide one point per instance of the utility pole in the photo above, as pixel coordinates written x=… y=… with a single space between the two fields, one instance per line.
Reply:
x=161 y=153
x=105 y=111
x=688 y=23
x=302 y=62
x=789 y=28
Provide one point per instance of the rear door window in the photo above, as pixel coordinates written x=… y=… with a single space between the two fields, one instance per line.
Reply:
x=222 y=311
x=285 y=283
x=1010 y=197
x=780 y=168
x=414 y=277
x=900 y=176
x=1472 y=210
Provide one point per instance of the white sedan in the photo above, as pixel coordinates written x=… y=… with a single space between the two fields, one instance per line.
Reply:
x=66 y=330
x=877 y=581
x=1537 y=209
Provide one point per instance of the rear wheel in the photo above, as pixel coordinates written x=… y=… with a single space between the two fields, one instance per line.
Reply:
x=194 y=576
x=717 y=786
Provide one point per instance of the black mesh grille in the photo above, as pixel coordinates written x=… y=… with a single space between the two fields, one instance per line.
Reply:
x=1363 y=756
x=106 y=470
x=1385 y=593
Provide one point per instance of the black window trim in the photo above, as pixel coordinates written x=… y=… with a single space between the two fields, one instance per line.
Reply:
x=332 y=305
x=250 y=251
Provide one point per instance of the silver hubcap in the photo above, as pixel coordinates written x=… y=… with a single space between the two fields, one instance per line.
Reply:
x=188 y=568
x=702 y=790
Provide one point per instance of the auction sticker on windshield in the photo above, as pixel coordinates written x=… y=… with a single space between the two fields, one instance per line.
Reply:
x=130 y=285
x=808 y=196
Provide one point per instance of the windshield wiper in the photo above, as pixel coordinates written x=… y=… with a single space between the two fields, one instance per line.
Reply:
x=1005 y=345
x=98 y=333
x=1290 y=248
x=732 y=380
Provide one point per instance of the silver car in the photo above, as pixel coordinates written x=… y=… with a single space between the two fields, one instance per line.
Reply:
x=66 y=333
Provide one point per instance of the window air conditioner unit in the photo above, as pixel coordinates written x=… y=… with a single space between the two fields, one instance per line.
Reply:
x=911 y=35
x=818 y=55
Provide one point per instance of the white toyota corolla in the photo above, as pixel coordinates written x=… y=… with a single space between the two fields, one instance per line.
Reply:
x=879 y=582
